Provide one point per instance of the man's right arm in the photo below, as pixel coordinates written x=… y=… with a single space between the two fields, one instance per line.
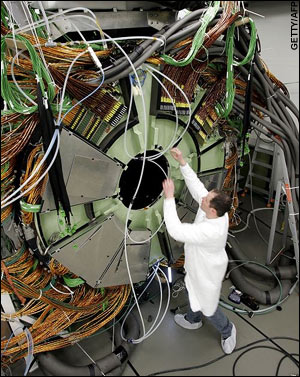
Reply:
x=193 y=183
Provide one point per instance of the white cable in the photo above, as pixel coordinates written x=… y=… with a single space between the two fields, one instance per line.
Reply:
x=65 y=85
x=139 y=182
x=45 y=18
x=153 y=162
x=151 y=277
x=136 y=341
x=176 y=115
x=143 y=165
x=29 y=357
x=63 y=293
x=152 y=328
x=126 y=124
x=113 y=336
x=14 y=79
x=12 y=25
x=79 y=32
x=247 y=222
x=150 y=158
x=187 y=101
x=126 y=150
x=55 y=135
x=33 y=30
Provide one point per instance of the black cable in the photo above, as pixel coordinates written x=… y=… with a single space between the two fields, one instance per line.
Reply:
x=252 y=348
x=281 y=360
x=270 y=339
x=133 y=368
x=218 y=358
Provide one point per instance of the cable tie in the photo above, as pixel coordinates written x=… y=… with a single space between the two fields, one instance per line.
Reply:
x=95 y=57
x=271 y=96
x=41 y=293
x=66 y=316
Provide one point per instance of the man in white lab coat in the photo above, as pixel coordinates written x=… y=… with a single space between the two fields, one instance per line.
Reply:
x=205 y=256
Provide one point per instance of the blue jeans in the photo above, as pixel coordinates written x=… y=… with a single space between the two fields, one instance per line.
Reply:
x=218 y=320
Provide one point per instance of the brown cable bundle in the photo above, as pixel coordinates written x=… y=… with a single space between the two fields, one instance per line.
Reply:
x=64 y=53
x=188 y=76
x=35 y=194
x=14 y=141
x=102 y=103
x=7 y=185
x=56 y=307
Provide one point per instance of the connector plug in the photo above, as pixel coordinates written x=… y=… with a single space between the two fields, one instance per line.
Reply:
x=94 y=57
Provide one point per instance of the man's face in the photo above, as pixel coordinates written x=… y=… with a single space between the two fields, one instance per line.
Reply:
x=205 y=204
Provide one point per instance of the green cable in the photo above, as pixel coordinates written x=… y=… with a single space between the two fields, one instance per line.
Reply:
x=35 y=264
x=9 y=93
x=5 y=167
x=260 y=311
x=71 y=282
x=198 y=38
x=27 y=207
x=4 y=16
x=252 y=45
x=16 y=256
x=230 y=87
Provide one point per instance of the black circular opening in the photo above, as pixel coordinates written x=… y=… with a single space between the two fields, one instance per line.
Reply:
x=151 y=184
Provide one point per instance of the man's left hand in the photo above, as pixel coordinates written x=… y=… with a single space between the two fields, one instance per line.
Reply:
x=169 y=188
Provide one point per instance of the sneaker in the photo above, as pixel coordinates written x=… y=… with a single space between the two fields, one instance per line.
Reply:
x=181 y=321
x=229 y=343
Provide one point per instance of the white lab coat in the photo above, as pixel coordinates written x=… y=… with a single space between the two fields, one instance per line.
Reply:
x=204 y=246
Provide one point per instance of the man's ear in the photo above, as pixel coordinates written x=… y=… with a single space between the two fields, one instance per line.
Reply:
x=213 y=211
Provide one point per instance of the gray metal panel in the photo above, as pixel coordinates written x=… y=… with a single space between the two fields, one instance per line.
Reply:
x=88 y=173
x=97 y=255
x=90 y=178
x=112 y=21
x=214 y=179
x=118 y=5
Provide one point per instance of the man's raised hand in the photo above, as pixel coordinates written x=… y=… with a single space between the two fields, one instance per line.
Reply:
x=169 y=188
x=177 y=155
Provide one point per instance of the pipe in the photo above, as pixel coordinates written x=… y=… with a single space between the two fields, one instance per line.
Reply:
x=282 y=272
x=110 y=365
x=263 y=297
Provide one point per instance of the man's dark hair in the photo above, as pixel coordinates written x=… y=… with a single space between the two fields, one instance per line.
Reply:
x=221 y=202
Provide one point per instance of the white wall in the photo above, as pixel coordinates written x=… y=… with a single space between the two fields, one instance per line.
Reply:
x=274 y=31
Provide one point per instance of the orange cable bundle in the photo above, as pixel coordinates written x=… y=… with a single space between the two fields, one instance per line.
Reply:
x=35 y=194
x=56 y=306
